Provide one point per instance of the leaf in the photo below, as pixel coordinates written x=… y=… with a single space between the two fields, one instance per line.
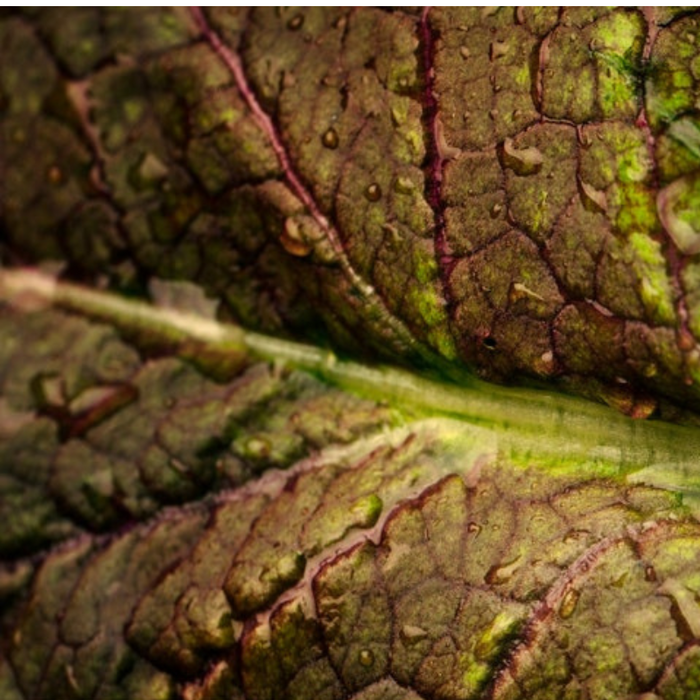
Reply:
x=203 y=508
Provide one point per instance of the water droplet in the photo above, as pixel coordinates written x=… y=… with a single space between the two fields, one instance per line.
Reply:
x=685 y=340
x=676 y=205
x=518 y=291
x=257 y=447
x=583 y=137
x=502 y=573
x=373 y=192
x=593 y=198
x=394 y=234
x=398 y=116
x=404 y=185
x=330 y=138
x=489 y=343
x=522 y=161
x=650 y=370
x=177 y=465
x=498 y=49
x=412 y=634
x=55 y=175
x=568 y=603
x=365 y=657
x=152 y=169
x=296 y=22
x=300 y=235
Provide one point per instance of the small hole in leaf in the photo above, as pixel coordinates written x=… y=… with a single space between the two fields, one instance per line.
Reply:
x=489 y=343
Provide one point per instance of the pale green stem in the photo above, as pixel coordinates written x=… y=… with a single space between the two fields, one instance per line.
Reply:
x=564 y=431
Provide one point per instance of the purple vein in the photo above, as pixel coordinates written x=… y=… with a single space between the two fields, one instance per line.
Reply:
x=369 y=294
x=436 y=159
x=233 y=63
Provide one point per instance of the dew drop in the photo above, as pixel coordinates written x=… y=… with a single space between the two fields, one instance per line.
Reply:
x=295 y=238
x=393 y=232
x=152 y=169
x=502 y=573
x=296 y=22
x=593 y=198
x=373 y=192
x=568 y=603
x=366 y=657
x=330 y=138
x=397 y=116
x=177 y=465
x=498 y=49
x=404 y=185
x=519 y=290
x=677 y=209
x=522 y=161
x=55 y=175
x=650 y=370
x=412 y=634
x=257 y=447
x=685 y=340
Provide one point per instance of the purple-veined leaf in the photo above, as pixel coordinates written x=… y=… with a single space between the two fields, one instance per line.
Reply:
x=197 y=509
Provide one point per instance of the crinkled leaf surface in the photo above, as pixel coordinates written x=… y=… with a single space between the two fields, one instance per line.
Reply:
x=511 y=191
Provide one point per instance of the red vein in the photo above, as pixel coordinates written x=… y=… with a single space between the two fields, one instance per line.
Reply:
x=386 y=320
x=233 y=63
x=436 y=160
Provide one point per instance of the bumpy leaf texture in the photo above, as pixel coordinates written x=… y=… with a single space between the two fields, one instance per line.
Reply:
x=511 y=191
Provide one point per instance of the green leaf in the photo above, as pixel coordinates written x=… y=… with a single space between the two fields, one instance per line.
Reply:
x=248 y=445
